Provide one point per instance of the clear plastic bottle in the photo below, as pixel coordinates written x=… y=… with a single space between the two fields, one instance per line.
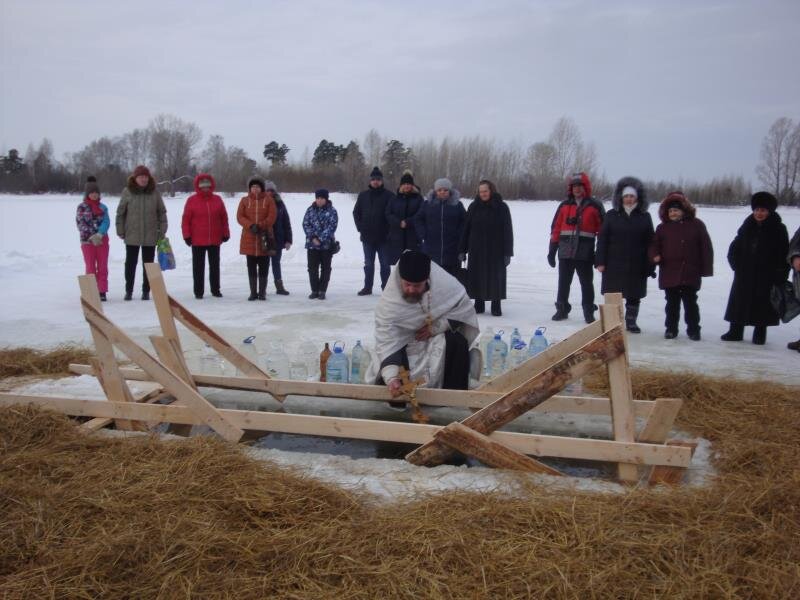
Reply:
x=247 y=348
x=337 y=367
x=518 y=354
x=538 y=342
x=298 y=370
x=358 y=363
x=515 y=336
x=277 y=361
x=486 y=336
x=497 y=351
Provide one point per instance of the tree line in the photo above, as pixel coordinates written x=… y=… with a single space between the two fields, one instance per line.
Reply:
x=171 y=147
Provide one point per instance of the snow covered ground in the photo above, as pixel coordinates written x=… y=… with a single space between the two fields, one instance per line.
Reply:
x=40 y=258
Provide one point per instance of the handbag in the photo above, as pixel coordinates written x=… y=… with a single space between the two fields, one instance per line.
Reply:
x=268 y=243
x=784 y=301
x=166 y=258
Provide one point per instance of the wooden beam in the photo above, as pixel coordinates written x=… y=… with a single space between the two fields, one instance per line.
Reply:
x=210 y=337
x=99 y=422
x=410 y=433
x=671 y=475
x=158 y=290
x=536 y=364
x=660 y=420
x=488 y=451
x=167 y=378
x=587 y=405
x=590 y=356
x=619 y=387
x=168 y=351
x=108 y=374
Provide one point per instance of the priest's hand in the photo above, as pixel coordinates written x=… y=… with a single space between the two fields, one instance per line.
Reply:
x=394 y=386
x=423 y=333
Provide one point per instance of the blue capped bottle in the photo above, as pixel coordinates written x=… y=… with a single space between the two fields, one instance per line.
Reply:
x=538 y=342
x=337 y=368
x=497 y=350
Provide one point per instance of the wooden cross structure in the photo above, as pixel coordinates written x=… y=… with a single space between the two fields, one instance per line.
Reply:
x=534 y=385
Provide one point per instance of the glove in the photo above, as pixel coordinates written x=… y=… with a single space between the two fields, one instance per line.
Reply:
x=507 y=260
x=462 y=257
x=188 y=241
x=96 y=239
x=254 y=229
x=551 y=255
x=225 y=238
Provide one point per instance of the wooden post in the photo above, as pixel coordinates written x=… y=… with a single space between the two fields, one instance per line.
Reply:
x=158 y=289
x=619 y=387
x=167 y=378
x=660 y=420
x=210 y=337
x=107 y=368
x=667 y=474
x=470 y=442
x=100 y=422
x=168 y=351
x=508 y=407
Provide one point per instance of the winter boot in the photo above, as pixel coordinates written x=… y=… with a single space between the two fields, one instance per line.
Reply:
x=735 y=333
x=253 y=295
x=631 y=313
x=128 y=296
x=760 y=335
x=794 y=345
x=496 y=308
x=480 y=306
x=262 y=286
x=279 y=289
x=588 y=312
x=102 y=297
x=145 y=295
x=670 y=334
x=562 y=311
x=694 y=334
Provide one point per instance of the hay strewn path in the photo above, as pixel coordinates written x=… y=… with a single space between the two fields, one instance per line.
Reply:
x=84 y=517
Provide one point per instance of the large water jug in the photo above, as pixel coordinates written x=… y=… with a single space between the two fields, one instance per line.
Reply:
x=538 y=342
x=497 y=351
x=247 y=348
x=336 y=370
x=277 y=361
x=359 y=360
x=298 y=369
x=486 y=336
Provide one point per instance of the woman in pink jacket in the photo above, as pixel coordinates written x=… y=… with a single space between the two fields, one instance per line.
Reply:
x=205 y=228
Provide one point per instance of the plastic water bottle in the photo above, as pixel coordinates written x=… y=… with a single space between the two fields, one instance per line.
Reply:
x=358 y=363
x=308 y=350
x=519 y=352
x=497 y=351
x=247 y=348
x=337 y=368
x=515 y=337
x=486 y=337
x=298 y=370
x=277 y=361
x=538 y=342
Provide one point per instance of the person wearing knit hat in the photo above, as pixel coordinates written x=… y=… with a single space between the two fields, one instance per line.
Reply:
x=141 y=222
x=681 y=248
x=440 y=222
x=793 y=258
x=424 y=322
x=319 y=225
x=757 y=256
x=256 y=214
x=93 y=222
x=282 y=231
x=369 y=215
x=573 y=232
x=401 y=213
x=622 y=248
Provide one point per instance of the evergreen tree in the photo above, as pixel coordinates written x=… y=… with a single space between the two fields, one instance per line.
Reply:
x=276 y=153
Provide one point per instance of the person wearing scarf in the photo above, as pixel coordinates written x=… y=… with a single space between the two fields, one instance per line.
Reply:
x=93 y=222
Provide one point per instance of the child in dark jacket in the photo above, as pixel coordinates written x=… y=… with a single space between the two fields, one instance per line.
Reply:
x=681 y=247
x=93 y=222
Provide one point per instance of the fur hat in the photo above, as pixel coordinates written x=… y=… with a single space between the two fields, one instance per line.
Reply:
x=624 y=186
x=91 y=185
x=255 y=181
x=764 y=200
x=676 y=199
x=321 y=193
x=376 y=173
x=443 y=183
x=414 y=266
x=141 y=170
x=408 y=177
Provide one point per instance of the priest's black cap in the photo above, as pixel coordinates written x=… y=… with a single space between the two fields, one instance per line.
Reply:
x=414 y=266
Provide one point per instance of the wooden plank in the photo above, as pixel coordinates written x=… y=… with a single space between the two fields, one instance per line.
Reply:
x=339 y=427
x=488 y=451
x=591 y=356
x=660 y=420
x=620 y=390
x=167 y=378
x=671 y=475
x=108 y=374
x=536 y=364
x=158 y=290
x=99 y=422
x=168 y=351
x=587 y=405
x=210 y=337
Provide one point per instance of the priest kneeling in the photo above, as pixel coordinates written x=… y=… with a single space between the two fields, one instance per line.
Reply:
x=426 y=323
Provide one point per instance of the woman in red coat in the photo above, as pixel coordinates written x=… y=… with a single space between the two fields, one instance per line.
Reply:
x=205 y=228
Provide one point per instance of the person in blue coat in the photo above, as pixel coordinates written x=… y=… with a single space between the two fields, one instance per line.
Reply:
x=439 y=224
x=401 y=212
x=319 y=225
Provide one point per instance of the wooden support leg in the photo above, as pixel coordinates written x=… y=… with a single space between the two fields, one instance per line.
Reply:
x=620 y=390
x=660 y=420
x=470 y=442
x=508 y=407
x=99 y=422
x=168 y=351
x=671 y=475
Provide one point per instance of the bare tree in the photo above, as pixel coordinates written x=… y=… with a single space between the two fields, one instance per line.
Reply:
x=373 y=146
x=780 y=159
x=172 y=143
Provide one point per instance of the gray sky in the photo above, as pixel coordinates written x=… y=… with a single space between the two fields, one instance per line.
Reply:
x=664 y=89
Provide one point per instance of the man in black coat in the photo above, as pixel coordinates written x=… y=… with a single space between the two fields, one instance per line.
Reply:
x=369 y=215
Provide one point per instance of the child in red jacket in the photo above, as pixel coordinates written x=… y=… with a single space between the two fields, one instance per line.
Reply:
x=205 y=228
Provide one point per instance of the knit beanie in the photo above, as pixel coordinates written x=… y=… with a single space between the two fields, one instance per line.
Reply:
x=141 y=170
x=268 y=185
x=443 y=183
x=414 y=266
x=764 y=200
x=629 y=191
x=91 y=185
x=321 y=193
x=407 y=177
x=376 y=173
x=255 y=181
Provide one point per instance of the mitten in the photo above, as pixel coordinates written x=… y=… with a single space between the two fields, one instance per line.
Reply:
x=188 y=241
x=96 y=239
x=507 y=260
x=254 y=229
x=551 y=255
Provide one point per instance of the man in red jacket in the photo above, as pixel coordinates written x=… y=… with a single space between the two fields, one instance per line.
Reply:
x=205 y=228
x=575 y=227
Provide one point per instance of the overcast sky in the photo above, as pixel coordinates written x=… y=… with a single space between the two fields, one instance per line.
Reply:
x=664 y=89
